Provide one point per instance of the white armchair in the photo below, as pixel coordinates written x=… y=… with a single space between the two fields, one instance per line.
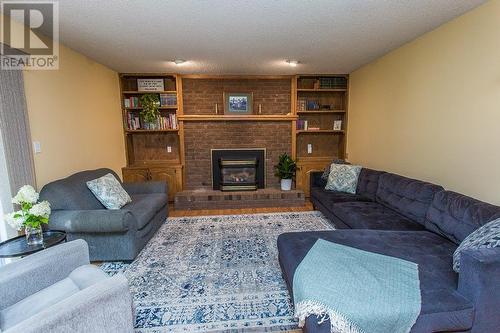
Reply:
x=57 y=290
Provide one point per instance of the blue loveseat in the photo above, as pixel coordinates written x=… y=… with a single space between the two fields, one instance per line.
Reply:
x=419 y=222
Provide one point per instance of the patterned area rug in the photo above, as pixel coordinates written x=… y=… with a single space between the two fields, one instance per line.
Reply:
x=215 y=274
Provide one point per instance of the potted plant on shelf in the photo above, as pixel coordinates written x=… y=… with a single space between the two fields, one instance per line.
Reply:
x=31 y=216
x=285 y=170
x=150 y=112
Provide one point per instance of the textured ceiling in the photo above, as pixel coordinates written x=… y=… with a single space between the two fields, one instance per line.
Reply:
x=247 y=37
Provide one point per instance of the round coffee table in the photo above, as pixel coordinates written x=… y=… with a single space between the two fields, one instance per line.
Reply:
x=18 y=247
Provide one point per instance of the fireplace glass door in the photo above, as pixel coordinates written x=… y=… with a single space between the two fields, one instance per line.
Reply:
x=238 y=175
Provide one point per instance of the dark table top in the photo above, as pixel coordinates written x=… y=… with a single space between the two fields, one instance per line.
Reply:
x=17 y=247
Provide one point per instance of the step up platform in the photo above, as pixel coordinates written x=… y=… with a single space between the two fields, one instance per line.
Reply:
x=211 y=199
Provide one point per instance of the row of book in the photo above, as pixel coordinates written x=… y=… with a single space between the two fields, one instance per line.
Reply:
x=168 y=99
x=165 y=100
x=134 y=122
x=132 y=102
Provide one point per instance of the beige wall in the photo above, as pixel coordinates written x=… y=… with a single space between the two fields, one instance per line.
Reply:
x=75 y=114
x=431 y=109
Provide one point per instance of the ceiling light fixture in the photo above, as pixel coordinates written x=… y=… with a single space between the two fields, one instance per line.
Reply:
x=179 y=61
x=292 y=63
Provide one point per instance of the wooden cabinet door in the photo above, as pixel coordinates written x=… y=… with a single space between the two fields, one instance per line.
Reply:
x=171 y=175
x=304 y=173
x=135 y=175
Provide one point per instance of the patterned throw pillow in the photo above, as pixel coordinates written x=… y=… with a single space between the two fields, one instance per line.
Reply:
x=343 y=178
x=109 y=192
x=326 y=172
x=487 y=236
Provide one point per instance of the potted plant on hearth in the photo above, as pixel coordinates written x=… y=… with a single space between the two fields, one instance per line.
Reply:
x=150 y=104
x=285 y=170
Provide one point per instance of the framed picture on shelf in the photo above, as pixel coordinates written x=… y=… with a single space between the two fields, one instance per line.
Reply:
x=148 y=85
x=337 y=125
x=238 y=103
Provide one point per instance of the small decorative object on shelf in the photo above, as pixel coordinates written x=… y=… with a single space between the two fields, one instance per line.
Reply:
x=337 y=125
x=285 y=170
x=31 y=216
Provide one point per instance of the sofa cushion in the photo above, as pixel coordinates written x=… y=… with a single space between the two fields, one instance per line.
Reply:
x=326 y=171
x=329 y=198
x=443 y=309
x=108 y=190
x=81 y=278
x=72 y=193
x=145 y=206
x=488 y=236
x=455 y=216
x=372 y=215
x=343 y=178
x=407 y=196
x=368 y=183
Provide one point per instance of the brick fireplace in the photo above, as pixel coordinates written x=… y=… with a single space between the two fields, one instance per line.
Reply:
x=201 y=137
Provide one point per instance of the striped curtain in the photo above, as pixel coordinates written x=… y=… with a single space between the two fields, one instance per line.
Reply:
x=15 y=130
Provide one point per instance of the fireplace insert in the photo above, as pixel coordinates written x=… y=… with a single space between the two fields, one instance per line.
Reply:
x=238 y=175
x=238 y=169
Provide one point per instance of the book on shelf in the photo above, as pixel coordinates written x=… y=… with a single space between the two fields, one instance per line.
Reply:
x=312 y=128
x=132 y=102
x=302 y=124
x=169 y=99
x=301 y=105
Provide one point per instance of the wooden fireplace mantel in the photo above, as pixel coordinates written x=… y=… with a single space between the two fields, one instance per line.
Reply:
x=221 y=117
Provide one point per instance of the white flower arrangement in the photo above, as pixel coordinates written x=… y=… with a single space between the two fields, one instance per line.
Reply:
x=26 y=194
x=31 y=214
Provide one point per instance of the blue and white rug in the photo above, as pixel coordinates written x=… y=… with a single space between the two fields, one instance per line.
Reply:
x=215 y=274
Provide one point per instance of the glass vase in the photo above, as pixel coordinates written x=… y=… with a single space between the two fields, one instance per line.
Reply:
x=34 y=235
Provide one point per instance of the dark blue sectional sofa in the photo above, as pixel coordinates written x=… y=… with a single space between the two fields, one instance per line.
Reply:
x=418 y=222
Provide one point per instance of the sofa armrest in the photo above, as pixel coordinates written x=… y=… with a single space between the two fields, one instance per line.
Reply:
x=316 y=180
x=35 y=272
x=146 y=187
x=94 y=221
x=103 y=307
x=479 y=282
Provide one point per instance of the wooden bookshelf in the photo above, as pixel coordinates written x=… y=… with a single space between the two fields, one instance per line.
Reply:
x=153 y=153
x=320 y=100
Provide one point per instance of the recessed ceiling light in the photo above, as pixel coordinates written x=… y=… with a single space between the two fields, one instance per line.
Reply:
x=292 y=63
x=179 y=61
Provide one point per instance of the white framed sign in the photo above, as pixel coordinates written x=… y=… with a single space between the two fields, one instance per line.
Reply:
x=150 y=85
x=337 y=125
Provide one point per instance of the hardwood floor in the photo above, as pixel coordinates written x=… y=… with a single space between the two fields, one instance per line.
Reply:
x=203 y=212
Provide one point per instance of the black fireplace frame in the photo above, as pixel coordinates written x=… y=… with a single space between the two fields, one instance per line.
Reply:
x=239 y=154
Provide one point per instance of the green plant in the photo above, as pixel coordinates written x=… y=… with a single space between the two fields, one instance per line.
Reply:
x=286 y=167
x=150 y=104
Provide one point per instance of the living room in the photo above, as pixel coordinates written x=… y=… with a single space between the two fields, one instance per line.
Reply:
x=231 y=166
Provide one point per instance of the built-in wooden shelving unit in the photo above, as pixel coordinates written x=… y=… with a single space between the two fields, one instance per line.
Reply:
x=153 y=153
x=320 y=100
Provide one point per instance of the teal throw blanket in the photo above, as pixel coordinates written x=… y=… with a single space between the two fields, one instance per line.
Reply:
x=359 y=291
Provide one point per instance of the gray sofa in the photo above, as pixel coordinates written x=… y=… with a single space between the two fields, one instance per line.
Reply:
x=58 y=291
x=110 y=234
